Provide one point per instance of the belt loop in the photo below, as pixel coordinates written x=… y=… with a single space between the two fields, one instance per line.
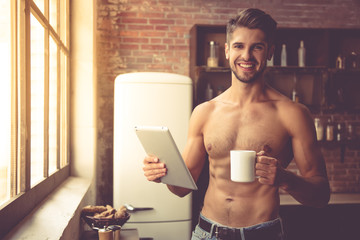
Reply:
x=282 y=229
x=216 y=231
x=212 y=229
x=242 y=234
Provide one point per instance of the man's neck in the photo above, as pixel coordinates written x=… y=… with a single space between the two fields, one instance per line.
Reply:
x=244 y=93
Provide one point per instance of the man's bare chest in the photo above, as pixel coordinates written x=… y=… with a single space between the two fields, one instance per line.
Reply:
x=250 y=130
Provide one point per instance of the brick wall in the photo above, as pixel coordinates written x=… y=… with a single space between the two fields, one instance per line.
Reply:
x=343 y=160
x=153 y=35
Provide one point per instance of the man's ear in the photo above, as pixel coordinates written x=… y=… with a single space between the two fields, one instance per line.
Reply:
x=271 y=52
x=226 y=51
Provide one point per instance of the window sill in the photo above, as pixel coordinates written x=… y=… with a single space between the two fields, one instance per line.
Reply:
x=57 y=216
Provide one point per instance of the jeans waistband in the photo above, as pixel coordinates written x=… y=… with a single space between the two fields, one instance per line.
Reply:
x=267 y=230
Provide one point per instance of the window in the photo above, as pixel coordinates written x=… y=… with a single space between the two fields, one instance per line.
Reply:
x=34 y=94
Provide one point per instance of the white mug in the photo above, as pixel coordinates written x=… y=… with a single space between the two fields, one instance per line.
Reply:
x=242 y=165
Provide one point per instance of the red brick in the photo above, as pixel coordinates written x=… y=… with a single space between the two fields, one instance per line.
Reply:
x=178 y=48
x=153 y=47
x=136 y=65
x=178 y=15
x=135 y=40
x=168 y=41
x=129 y=33
x=141 y=27
x=156 y=41
x=172 y=34
x=150 y=15
x=134 y=20
x=180 y=22
x=162 y=21
x=129 y=46
x=173 y=60
x=162 y=28
x=180 y=41
x=159 y=66
x=144 y=60
x=127 y=14
x=152 y=34
x=180 y=29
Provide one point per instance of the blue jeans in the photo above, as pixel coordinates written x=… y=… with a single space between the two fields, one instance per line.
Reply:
x=247 y=233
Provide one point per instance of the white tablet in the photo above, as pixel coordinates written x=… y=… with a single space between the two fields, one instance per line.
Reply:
x=158 y=141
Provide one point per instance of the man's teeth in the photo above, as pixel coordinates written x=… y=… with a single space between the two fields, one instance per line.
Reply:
x=246 y=65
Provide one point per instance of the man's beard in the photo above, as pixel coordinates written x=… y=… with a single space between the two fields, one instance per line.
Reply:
x=251 y=78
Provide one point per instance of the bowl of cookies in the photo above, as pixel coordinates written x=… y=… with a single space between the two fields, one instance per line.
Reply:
x=98 y=217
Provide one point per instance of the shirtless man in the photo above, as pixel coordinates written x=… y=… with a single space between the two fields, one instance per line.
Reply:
x=250 y=115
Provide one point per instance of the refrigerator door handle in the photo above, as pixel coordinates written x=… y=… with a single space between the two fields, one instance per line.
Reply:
x=131 y=208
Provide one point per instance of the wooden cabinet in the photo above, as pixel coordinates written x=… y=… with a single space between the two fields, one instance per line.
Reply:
x=343 y=90
x=319 y=84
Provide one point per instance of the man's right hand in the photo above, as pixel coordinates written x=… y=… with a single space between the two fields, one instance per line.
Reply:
x=154 y=169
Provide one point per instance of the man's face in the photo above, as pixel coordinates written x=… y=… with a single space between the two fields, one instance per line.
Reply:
x=247 y=53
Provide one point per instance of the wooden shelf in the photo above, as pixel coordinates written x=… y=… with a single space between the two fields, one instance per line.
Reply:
x=318 y=82
x=297 y=70
x=273 y=69
x=213 y=69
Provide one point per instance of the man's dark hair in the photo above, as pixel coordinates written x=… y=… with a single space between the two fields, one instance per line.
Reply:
x=253 y=18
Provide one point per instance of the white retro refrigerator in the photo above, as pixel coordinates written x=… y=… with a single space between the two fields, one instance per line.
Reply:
x=150 y=99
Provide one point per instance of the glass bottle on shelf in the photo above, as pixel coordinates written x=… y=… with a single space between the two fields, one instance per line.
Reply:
x=295 y=94
x=301 y=54
x=213 y=59
x=350 y=132
x=220 y=90
x=209 y=93
x=270 y=63
x=340 y=62
x=283 y=56
x=319 y=129
x=339 y=132
x=352 y=61
x=330 y=130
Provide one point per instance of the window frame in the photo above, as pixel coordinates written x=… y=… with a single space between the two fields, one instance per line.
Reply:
x=23 y=197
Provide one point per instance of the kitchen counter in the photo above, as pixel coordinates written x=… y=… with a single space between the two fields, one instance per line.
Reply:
x=335 y=198
x=338 y=220
x=125 y=234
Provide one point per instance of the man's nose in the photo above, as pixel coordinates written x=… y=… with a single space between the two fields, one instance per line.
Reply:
x=246 y=54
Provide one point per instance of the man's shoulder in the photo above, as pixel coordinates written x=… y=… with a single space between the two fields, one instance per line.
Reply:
x=290 y=107
x=205 y=107
x=285 y=104
x=201 y=112
x=292 y=113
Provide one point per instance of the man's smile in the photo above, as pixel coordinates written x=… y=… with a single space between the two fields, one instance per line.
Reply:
x=247 y=65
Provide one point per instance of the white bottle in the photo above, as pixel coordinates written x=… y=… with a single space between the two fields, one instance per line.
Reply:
x=319 y=129
x=301 y=54
x=270 y=62
x=283 y=56
x=330 y=130
x=295 y=95
x=209 y=93
x=213 y=59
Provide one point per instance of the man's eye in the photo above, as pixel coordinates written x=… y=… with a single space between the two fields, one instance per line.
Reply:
x=238 y=46
x=259 y=47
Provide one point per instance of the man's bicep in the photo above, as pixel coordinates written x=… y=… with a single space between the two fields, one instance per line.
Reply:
x=194 y=153
x=308 y=158
x=307 y=154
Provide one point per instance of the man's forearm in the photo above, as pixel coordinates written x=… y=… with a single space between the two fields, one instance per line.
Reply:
x=312 y=191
